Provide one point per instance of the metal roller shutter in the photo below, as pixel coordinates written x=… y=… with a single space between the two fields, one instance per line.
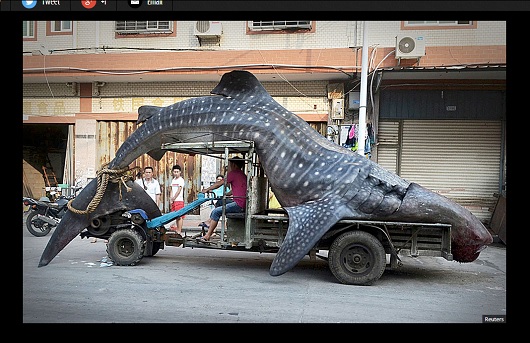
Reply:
x=388 y=145
x=459 y=159
x=112 y=134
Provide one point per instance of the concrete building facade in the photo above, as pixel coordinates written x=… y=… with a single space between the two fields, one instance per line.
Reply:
x=83 y=82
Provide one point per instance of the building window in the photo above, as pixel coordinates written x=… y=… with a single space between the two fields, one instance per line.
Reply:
x=280 y=26
x=438 y=24
x=60 y=26
x=28 y=30
x=128 y=27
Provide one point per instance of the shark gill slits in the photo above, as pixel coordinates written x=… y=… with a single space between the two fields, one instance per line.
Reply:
x=388 y=205
x=373 y=201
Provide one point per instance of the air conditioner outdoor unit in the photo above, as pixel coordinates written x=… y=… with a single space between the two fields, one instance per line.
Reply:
x=207 y=29
x=409 y=46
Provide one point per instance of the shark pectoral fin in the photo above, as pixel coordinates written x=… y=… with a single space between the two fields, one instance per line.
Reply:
x=308 y=222
x=147 y=111
x=157 y=154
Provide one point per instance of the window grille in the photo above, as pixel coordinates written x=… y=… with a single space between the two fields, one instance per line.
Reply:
x=279 y=25
x=420 y=23
x=142 y=27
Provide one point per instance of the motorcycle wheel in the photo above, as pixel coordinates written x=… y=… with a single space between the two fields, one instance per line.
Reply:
x=36 y=226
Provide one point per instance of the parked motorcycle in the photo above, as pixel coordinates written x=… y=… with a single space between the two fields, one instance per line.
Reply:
x=45 y=215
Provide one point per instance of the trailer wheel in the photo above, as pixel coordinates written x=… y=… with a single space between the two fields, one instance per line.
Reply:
x=357 y=258
x=126 y=247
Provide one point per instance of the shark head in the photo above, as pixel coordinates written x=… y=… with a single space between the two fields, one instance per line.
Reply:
x=468 y=235
x=376 y=199
x=116 y=198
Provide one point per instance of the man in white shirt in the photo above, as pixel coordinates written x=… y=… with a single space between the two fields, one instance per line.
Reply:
x=150 y=185
x=177 y=196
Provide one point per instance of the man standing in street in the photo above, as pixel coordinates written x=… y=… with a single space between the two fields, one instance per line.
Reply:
x=177 y=196
x=150 y=185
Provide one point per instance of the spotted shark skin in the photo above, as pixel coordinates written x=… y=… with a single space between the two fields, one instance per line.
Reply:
x=317 y=181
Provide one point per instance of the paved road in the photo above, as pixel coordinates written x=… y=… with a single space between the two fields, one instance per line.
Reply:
x=184 y=285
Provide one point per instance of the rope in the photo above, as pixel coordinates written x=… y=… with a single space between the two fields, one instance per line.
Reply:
x=104 y=175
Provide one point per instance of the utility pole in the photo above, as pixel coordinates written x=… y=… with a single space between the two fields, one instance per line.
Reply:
x=362 y=95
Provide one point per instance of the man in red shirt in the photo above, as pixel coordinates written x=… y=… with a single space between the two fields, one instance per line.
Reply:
x=238 y=189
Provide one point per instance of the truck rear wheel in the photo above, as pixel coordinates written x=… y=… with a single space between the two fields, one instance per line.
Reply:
x=357 y=258
x=126 y=247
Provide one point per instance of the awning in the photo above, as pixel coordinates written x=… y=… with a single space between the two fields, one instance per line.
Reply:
x=468 y=71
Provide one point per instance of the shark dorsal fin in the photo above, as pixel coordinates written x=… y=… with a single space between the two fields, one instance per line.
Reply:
x=239 y=84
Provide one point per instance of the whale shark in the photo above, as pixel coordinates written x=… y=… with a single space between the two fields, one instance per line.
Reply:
x=316 y=181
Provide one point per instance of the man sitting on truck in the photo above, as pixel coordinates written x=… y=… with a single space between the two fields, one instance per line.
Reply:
x=238 y=185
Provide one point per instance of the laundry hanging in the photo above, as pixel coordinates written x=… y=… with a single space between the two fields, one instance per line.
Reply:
x=351 y=140
x=353 y=134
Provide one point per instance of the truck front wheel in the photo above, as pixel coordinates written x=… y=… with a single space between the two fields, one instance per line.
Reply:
x=126 y=247
x=357 y=258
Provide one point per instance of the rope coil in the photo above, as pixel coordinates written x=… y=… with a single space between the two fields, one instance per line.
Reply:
x=104 y=175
